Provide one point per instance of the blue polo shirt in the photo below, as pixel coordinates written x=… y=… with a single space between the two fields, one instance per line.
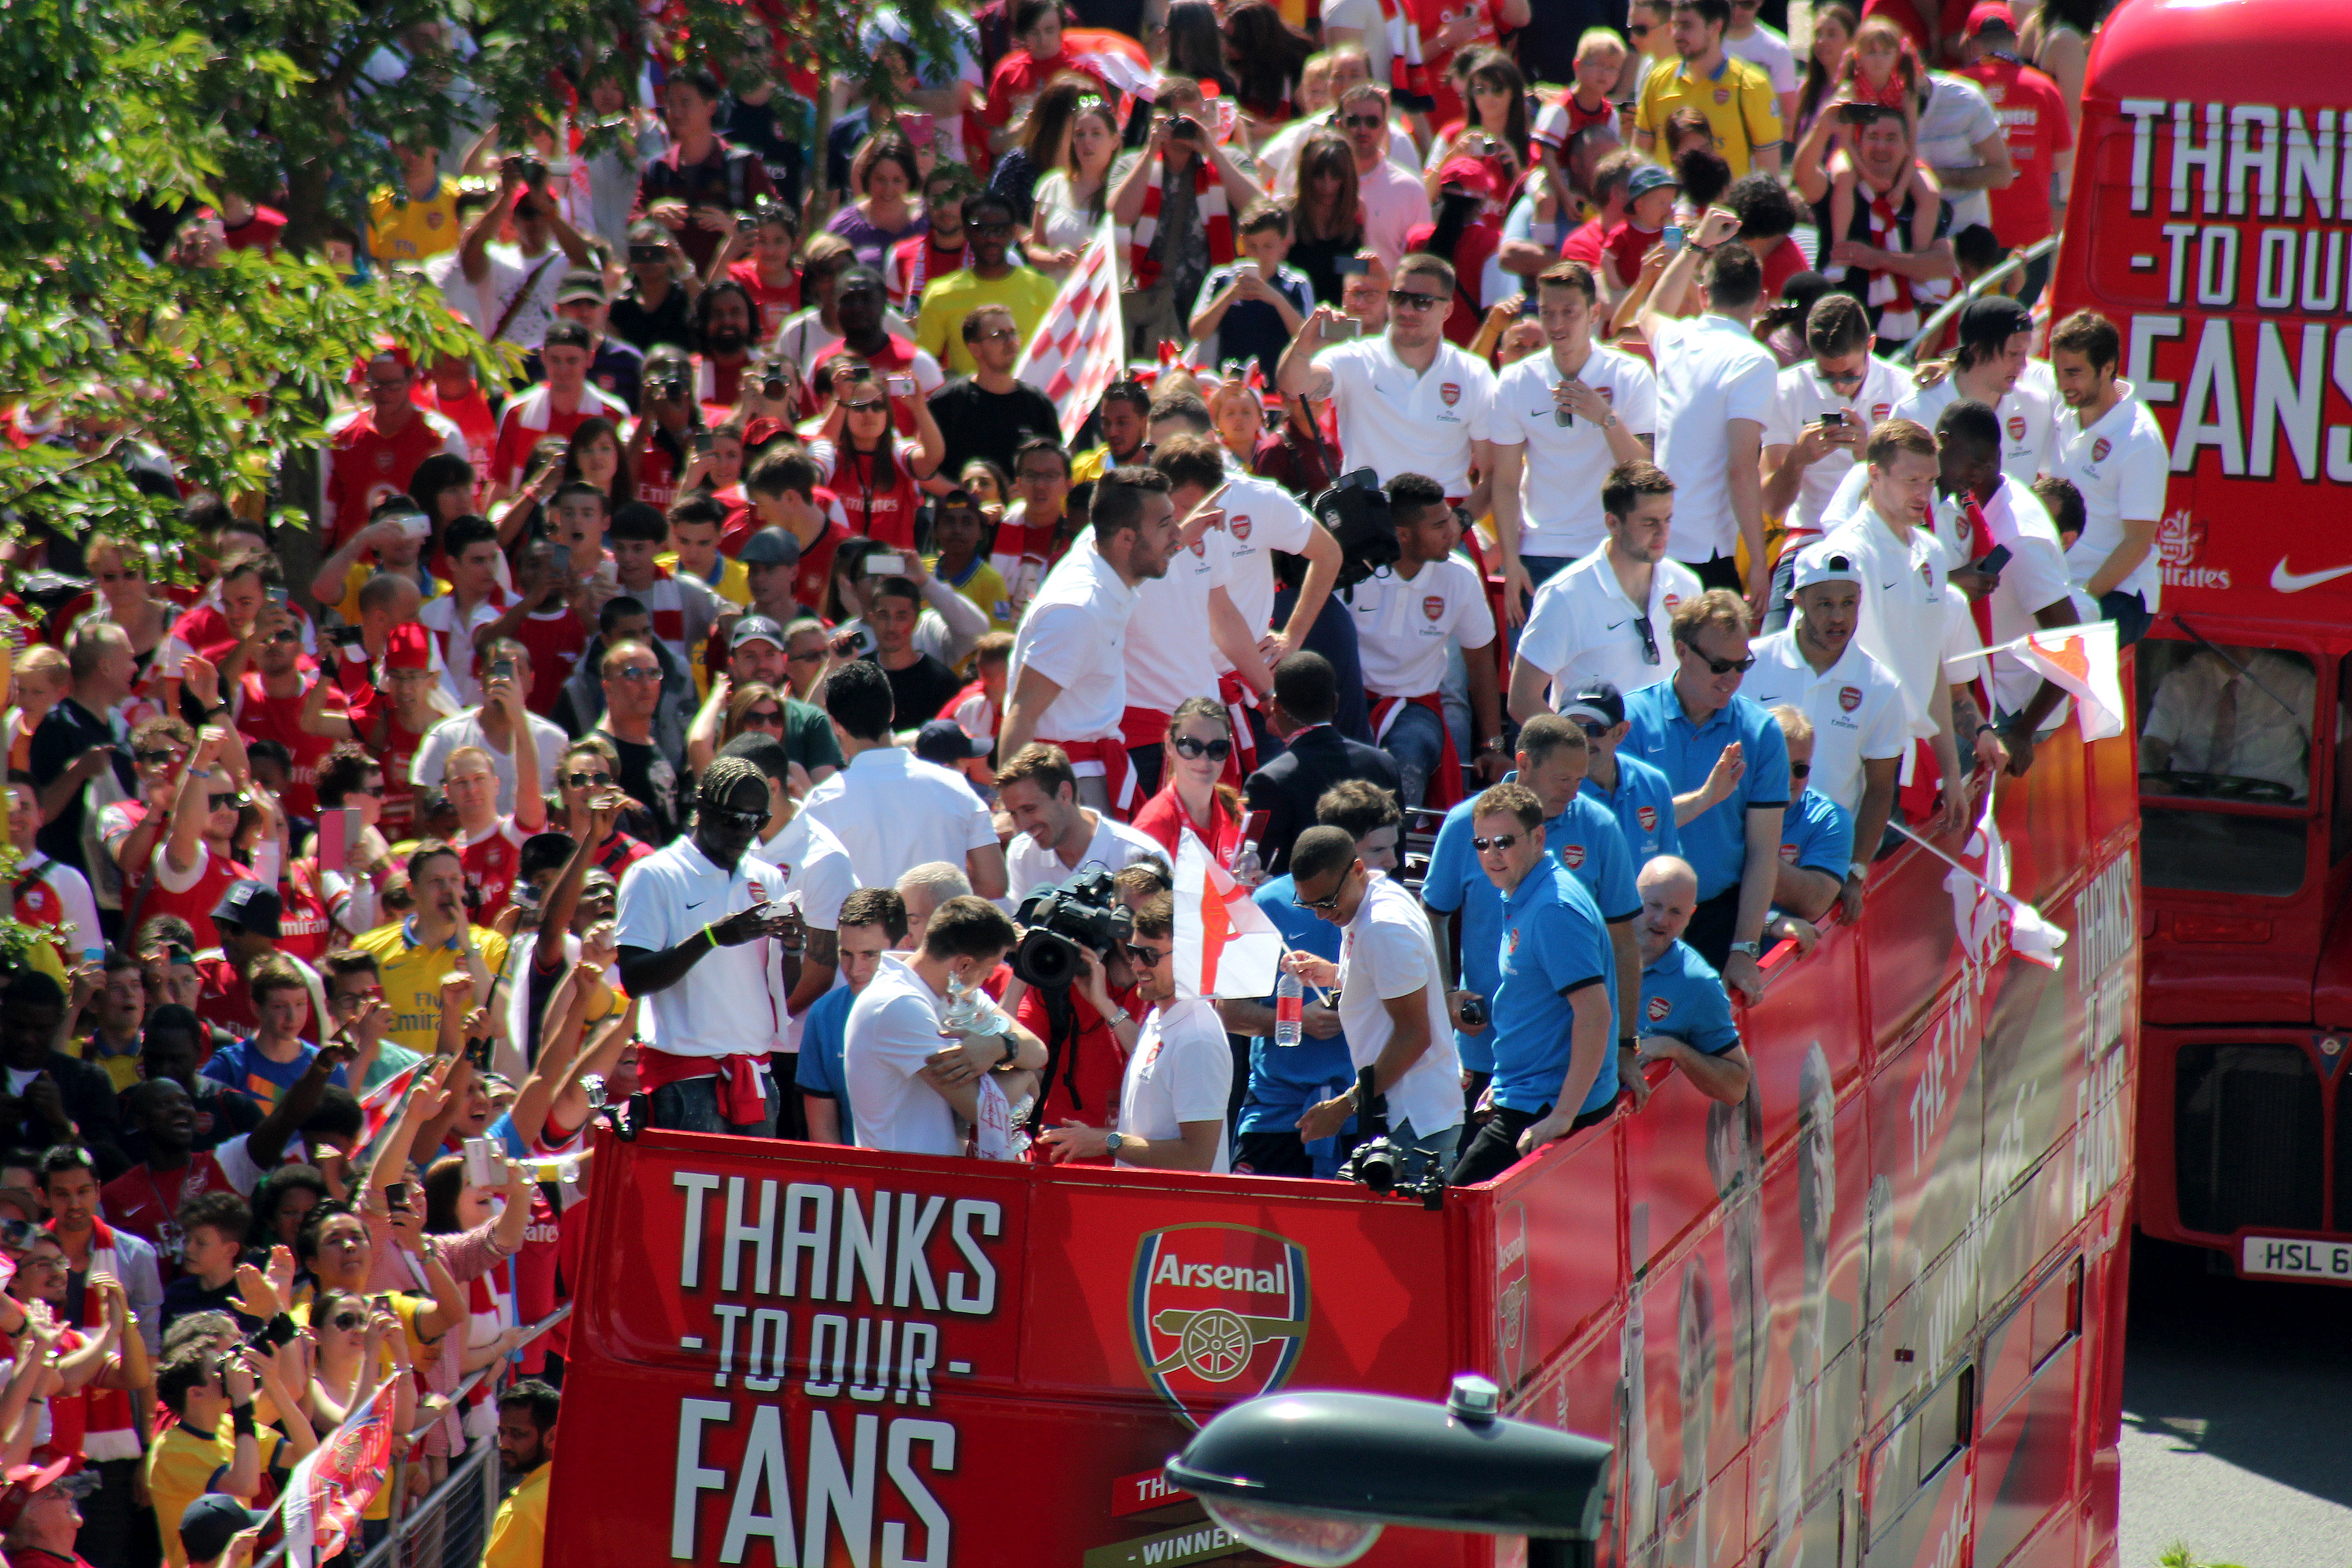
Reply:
x=824 y=1028
x=1284 y=1080
x=1716 y=841
x=1682 y=996
x=1552 y=942
x=1817 y=834
x=1645 y=804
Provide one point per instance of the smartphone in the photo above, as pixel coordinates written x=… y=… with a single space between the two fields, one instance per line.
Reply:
x=918 y=128
x=1834 y=420
x=481 y=1154
x=413 y=525
x=551 y=450
x=502 y=669
x=1993 y=561
x=1674 y=236
x=335 y=839
x=885 y=563
x=396 y=1193
x=349 y=637
x=560 y=557
x=703 y=443
x=1346 y=329
x=277 y=597
x=1350 y=267
x=641 y=254
x=1559 y=415
x=1254 y=828
x=899 y=385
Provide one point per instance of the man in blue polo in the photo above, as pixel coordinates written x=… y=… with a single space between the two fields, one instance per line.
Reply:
x=1729 y=768
x=1816 y=843
x=1686 y=1015
x=1579 y=833
x=1284 y=1080
x=1554 y=1006
x=1638 y=793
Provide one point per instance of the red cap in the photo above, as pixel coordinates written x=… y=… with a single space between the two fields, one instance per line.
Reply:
x=26 y=1481
x=1471 y=173
x=408 y=648
x=1988 y=17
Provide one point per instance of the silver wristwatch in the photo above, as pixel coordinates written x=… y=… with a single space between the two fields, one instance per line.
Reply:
x=1752 y=949
x=1114 y=1142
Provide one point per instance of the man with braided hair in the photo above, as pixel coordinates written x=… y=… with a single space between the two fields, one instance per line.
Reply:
x=695 y=925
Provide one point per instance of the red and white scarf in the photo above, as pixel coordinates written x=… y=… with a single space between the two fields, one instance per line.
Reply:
x=108 y=1432
x=1903 y=303
x=1216 y=217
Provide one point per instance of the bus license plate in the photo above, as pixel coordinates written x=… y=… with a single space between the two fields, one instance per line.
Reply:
x=2293 y=1258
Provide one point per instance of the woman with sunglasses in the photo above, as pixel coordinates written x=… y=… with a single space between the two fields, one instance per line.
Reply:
x=126 y=596
x=1069 y=198
x=197 y=859
x=753 y=708
x=877 y=474
x=584 y=774
x=1200 y=748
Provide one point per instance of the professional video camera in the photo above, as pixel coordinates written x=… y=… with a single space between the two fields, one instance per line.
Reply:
x=1376 y=1164
x=1356 y=513
x=1055 y=923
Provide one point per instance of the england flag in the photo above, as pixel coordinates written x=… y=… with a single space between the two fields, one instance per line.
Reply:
x=1081 y=345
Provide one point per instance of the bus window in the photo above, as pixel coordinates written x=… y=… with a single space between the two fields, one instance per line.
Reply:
x=2227 y=723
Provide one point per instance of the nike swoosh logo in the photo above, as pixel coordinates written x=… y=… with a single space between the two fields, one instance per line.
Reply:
x=2285 y=582
x=1614 y=625
x=1888 y=587
x=697 y=906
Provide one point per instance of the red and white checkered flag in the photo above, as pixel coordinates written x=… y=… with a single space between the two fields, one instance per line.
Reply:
x=1081 y=345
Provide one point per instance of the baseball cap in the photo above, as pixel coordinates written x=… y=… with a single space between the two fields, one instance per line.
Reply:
x=252 y=906
x=581 y=283
x=771 y=547
x=407 y=647
x=28 y=1481
x=1598 y=702
x=1991 y=319
x=1991 y=16
x=1650 y=177
x=943 y=740
x=1471 y=173
x=209 y=1524
x=755 y=628
x=1825 y=563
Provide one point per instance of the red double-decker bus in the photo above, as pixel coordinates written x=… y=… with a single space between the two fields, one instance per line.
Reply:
x=2211 y=203
x=1872 y=1317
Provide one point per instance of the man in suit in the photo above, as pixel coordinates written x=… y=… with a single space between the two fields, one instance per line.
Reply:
x=62 y=1099
x=1306 y=694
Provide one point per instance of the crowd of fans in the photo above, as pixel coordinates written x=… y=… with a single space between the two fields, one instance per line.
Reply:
x=1510 y=438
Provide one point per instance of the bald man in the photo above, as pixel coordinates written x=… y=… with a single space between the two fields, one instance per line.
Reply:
x=1686 y=1017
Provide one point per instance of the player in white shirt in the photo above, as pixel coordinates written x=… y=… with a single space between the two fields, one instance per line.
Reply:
x=1824 y=409
x=1912 y=621
x=1993 y=366
x=906 y=1077
x=889 y=808
x=1408 y=401
x=1391 y=998
x=1054 y=835
x=1715 y=389
x=1861 y=728
x=1606 y=617
x=1168 y=659
x=1405 y=622
x=2110 y=446
x=813 y=869
x=1180 y=1077
x=1561 y=423
x=1068 y=682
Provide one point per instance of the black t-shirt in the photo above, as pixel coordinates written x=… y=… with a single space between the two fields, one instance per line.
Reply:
x=666 y=323
x=976 y=423
x=650 y=778
x=758 y=127
x=1855 y=281
x=919 y=692
x=65 y=733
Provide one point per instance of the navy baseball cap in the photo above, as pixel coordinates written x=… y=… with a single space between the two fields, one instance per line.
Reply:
x=1599 y=702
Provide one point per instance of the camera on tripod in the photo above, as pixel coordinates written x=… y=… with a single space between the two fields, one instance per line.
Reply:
x=1083 y=912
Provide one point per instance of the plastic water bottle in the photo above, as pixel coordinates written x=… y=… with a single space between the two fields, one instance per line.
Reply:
x=1248 y=870
x=1289 y=1002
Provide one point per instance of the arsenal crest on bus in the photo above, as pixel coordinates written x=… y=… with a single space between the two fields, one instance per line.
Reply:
x=1219 y=1313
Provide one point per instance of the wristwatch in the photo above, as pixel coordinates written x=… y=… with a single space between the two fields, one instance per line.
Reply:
x=1858 y=869
x=1114 y=1142
x=1752 y=949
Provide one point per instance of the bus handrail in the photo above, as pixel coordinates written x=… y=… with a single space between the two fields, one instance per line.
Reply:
x=1952 y=306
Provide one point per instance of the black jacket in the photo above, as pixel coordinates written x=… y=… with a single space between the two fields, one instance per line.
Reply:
x=88 y=1096
x=1290 y=784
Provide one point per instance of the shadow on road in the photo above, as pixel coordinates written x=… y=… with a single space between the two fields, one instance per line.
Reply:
x=2255 y=1373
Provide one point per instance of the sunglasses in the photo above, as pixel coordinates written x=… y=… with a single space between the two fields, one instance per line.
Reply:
x=286 y=634
x=867 y=406
x=217 y=802
x=1332 y=903
x=156 y=759
x=766 y=716
x=1800 y=770
x=1149 y=957
x=1362 y=122
x=585 y=781
x=1639 y=29
x=1215 y=751
x=1407 y=300
x=1002 y=335
x=741 y=821
x=350 y=1321
x=635 y=672
x=1500 y=841
x=1721 y=665
x=809 y=657
x=1593 y=732
x=1648 y=639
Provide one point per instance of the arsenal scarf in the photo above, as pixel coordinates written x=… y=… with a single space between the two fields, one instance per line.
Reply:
x=1209 y=191
x=1901 y=302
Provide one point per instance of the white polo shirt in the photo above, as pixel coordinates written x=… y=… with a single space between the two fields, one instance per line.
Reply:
x=1403 y=626
x=1261 y=517
x=721 y=1007
x=1170 y=649
x=1029 y=866
x=1856 y=707
x=1559 y=487
x=2035 y=575
x=893 y=810
x=1912 y=621
x=1386 y=952
x=894 y=1029
x=1182 y=1071
x=1582 y=626
x=816 y=864
x=1800 y=398
x=1075 y=632
x=1396 y=420
x=1711 y=370
x=2028 y=415
x=2120 y=465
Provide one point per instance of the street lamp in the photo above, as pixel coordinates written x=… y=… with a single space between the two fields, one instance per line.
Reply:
x=1313 y=1477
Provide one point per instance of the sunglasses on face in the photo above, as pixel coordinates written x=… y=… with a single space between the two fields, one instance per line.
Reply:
x=1408 y=299
x=1330 y=904
x=775 y=716
x=156 y=759
x=867 y=406
x=1593 y=732
x=1501 y=841
x=1215 y=751
x=349 y=1320
x=635 y=672
x=1721 y=665
x=1800 y=770
x=1149 y=957
x=741 y=821
x=1362 y=122
x=1002 y=335
x=220 y=802
x=286 y=634
x=809 y=657
x=1639 y=29
x=586 y=780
